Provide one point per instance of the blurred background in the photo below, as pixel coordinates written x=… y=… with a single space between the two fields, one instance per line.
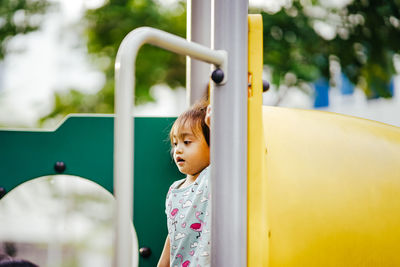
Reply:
x=59 y=221
x=57 y=58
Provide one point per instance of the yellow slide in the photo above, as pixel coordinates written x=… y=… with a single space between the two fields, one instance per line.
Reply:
x=333 y=189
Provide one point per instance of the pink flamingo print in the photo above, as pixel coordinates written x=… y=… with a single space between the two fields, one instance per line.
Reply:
x=197 y=227
x=172 y=215
x=184 y=264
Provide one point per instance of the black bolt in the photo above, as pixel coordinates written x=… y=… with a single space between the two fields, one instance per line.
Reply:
x=59 y=167
x=3 y=192
x=265 y=86
x=145 y=252
x=217 y=76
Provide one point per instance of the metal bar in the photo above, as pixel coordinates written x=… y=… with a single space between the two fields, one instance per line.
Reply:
x=123 y=129
x=198 y=27
x=229 y=138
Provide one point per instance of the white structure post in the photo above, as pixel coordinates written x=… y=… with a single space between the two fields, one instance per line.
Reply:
x=198 y=27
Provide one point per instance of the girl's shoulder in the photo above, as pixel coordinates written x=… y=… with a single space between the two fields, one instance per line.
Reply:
x=206 y=171
x=204 y=176
x=175 y=185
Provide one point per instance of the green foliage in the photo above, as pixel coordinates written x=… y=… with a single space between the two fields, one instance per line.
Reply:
x=366 y=53
x=292 y=46
x=75 y=101
x=366 y=37
x=19 y=17
x=106 y=28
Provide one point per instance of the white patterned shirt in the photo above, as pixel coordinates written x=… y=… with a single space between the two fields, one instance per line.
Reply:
x=189 y=221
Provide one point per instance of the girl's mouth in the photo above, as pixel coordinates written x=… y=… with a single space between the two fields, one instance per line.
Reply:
x=180 y=161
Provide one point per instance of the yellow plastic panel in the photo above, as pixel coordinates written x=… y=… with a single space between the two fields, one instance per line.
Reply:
x=257 y=186
x=333 y=189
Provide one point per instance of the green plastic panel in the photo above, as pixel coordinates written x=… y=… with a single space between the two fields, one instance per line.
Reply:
x=85 y=145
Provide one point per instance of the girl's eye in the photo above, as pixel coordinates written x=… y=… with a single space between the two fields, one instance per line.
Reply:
x=175 y=144
x=186 y=142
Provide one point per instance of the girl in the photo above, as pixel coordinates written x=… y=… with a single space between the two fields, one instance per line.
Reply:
x=188 y=200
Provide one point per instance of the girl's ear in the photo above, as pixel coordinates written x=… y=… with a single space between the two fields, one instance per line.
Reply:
x=208 y=116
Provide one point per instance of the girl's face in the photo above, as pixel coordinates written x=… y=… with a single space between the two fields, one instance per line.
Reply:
x=191 y=152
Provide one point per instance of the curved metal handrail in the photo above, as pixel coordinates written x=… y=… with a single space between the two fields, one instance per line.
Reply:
x=123 y=125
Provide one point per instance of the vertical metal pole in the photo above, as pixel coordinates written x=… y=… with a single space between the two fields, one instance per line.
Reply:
x=123 y=155
x=198 y=30
x=229 y=138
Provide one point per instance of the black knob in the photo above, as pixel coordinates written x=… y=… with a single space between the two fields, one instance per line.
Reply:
x=145 y=252
x=3 y=192
x=265 y=86
x=59 y=166
x=217 y=76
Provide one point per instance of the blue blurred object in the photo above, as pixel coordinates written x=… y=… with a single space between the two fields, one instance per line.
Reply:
x=391 y=87
x=347 y=87
x=321 y=93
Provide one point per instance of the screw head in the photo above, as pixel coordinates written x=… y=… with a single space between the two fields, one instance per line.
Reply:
x=3 y=192
x=145 y=252
x=217 y=75
x=59 y=167
x=265 y=86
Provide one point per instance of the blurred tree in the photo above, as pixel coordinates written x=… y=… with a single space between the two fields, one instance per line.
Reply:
x=106 y=28
x=363 y=36
x=293 y=51
x=300 y=39
x=19 y=17
x=367 y=40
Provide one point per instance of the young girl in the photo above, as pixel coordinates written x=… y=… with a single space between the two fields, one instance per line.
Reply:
x=188 y=200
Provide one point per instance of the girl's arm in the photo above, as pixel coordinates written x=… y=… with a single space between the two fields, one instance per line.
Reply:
x=164 y=259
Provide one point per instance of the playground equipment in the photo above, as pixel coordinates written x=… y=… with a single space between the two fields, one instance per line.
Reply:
x=331 y=187
x=84 y=144
x=123 y=140
x=294 y=187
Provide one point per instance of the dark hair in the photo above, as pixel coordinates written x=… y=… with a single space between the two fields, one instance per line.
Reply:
x=7 y=261
x=194 y=118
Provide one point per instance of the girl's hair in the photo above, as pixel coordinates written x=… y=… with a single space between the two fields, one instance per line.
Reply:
x=194 y=118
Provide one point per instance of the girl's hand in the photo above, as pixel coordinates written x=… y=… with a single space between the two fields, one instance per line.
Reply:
x=208 y=116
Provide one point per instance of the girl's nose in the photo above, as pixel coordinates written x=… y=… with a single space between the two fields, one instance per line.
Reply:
x=178 y=149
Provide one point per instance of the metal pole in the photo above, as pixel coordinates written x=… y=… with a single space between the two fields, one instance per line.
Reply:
x=198 y=27
x=229 y=138
x=123 y=127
